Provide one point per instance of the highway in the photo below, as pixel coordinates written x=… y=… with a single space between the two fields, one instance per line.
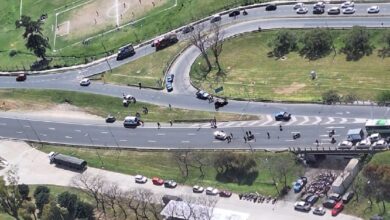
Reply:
x=184 y=96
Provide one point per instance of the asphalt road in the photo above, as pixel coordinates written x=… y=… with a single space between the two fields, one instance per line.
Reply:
x=183 y=95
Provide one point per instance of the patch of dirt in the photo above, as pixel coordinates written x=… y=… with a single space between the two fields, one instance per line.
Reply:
x=14 y=105
x=294 y=87
x=63 y=111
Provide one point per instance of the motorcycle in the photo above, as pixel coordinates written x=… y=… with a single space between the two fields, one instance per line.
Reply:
x=244 y=13
x=331 y=133
x=333 y=140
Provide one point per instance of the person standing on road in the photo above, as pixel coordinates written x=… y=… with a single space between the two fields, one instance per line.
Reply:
x=170 y=122
x=139 y=85
x=158 y=125
x=268 y=135
x=231 y=135
x=244 y=139
x=317 y=143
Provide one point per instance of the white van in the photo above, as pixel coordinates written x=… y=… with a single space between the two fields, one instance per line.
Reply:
x=131 y=121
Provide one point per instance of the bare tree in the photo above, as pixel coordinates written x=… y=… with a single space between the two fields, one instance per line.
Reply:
x=193 y=208
x=10 y=199
x=111 y=194
x=199 y=39
x=216 y=42
x=182 y=161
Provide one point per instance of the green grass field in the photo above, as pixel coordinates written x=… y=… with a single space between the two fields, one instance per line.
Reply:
x=254 y=75
x=148 y=70
x=162 y=164
x=103 y=105
x=156 y=23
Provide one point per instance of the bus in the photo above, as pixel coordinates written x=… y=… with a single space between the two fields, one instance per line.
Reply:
x=381 y=126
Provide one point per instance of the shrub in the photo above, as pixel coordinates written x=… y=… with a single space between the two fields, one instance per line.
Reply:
x=330 y=97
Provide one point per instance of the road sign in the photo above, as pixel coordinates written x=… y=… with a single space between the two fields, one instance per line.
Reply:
x=218 y=89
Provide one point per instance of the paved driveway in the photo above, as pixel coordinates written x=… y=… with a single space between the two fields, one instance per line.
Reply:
x=34 y=168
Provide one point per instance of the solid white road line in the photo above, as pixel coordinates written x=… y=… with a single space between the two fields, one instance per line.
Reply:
x=160 y=134
x=68 y=137
x=343 y=120
x=151 y=141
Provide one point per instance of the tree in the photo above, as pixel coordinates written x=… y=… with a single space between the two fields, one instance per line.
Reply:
x=36 y=42
x=385 y=51
x=216 y=42
x=330 y=97
x=199 y=39
x=383 y=98
x=84 y=210
x=24 y=190
x=53 y=212
x=357 y=43
x=10 y=199
x=317 y=43
x=350 y=97
x=283 y=43
x=41 y=196
x=69 y=201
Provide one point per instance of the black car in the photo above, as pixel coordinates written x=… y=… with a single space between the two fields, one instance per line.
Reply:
x=220 y=103
x=282 y=116
x=170 y=184
x=21 y=77
x=312 y=199
x=234 y=13
x=187 y=29
x=270 y=7
x=126 y=51
x=347 y=196
x=330 y=203
x=318 y=10
x=170 y=78
x=334 y=196
x=202 y=94
x=110 y=119
x=169 y=86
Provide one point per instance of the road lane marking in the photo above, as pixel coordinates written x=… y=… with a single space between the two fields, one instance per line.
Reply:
x=292 y=120
x=104 y=132
x=3 y=124
x=151 y=141
x=44 y=135
x=185 y=141
x=52 y=129
x=160 y=134
x=317 y=121
x=305 y=120
x=122 y=140
x=27 y=126
x=290 y=140
x=191 y=134
x=343 y=120
x=77 y=130
x=253 y=123
x=331 y=119
x=360 y=120
x=217 y=141
x=68 y=137
x=334 y=127
x=19 y=132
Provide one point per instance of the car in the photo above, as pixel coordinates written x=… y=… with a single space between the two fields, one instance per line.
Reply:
x=319 y=211
x=220 y=103
x=375 y=137
x=212 y=191
x=215 y=18
x=299 y=184
x=319 y=5
x=364 y=144
x=348 y=196
x=140 y=179
x=349 y=10
x=157 y=181
x=302 y=206
x=85 y=82
x=318 y=10
x=298 y=5
x=337 y=208
x=347 y=4
x=306 y=197
x=270 y=7
x=170 y=184
x=21 y=77
x=110 y=119
x=381 y=144
x=187 y=29
x=197 y=189
x=220 y=135
x=234 y=13
x=373 y=9
x=334 y=11
x=170 y=78
x=312 y=199
x=169 y=86
x=345 y=145
x=282 y=116
x=202 y=94
x=302 y=10
x=335 y=196
x=329 y=203
x=124 y=52
x=225 y=193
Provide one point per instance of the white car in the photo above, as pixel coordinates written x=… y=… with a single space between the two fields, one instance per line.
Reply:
x=381 y=144
x=373 y=9
x=302 y=10
x=85 y=82
x=347 y=4
x=197 y=189
x=298 y=5
x=319 y=4
x=364 y=144
x=349 y=10
x=211 y=191
x=140 y=179
x=334 y=11
x=220 y=135
x=345 y=145
x=375 y=137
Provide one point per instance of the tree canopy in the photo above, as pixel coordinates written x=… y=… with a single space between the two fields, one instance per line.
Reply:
x=283 y=43
x=317 y=43
x=357 y=43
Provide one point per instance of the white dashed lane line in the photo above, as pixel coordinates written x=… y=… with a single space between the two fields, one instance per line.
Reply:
x=160 y=134
x=52 y=129
x=44 y=135
x=77 y=130
x=122 y=140
x=191 y=134
x=68 y=137
x=104 y=132
x=151 y=141
x=19 y=132
x=185 y=141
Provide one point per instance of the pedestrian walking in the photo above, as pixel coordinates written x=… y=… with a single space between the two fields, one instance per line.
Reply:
x=280 y=127
x=317 y=142
x=170 y=106
x=244 y=139
x=139 y=85
x=268 y=135
x=247 y=134
x=170 y=122
x=231 y=135
x=158 y=125
x=250 y=133
x=97 y=13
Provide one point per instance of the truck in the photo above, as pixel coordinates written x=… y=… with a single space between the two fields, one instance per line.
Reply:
x=165 y=41
x=355 y=135
x=67 y=161
x=125 y=51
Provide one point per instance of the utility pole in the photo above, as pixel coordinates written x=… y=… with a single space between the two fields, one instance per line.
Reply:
x=108 y=63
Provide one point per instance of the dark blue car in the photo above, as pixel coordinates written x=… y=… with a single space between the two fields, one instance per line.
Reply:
x=282 y=116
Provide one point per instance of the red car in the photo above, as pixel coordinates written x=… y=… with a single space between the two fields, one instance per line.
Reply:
x=157 y=181
x=225 y=193
x=337 y=208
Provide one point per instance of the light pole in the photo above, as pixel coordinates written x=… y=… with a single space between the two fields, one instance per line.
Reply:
x=108 y=63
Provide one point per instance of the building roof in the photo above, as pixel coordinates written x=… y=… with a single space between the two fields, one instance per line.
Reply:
x=188 y=211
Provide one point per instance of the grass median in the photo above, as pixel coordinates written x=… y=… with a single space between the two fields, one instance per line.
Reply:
x=28 y=99
x=164 y=165
x=254 y=75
